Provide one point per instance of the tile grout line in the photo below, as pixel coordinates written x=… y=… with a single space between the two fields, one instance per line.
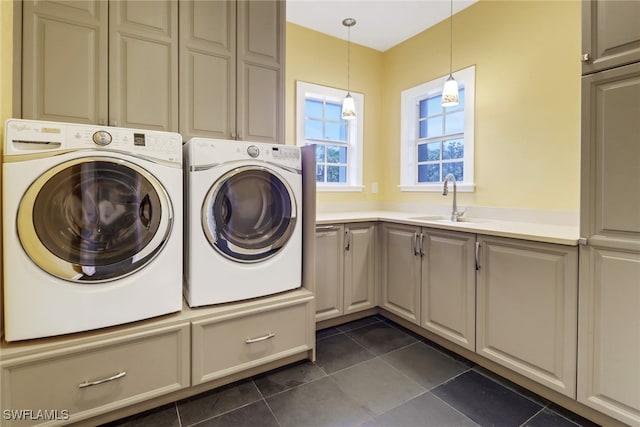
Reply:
x=266 y=403
x=452 y=407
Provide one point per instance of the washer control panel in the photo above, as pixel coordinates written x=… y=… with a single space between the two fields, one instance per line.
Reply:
x=32 y=136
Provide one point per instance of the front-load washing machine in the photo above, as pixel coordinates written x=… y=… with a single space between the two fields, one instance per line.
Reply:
x=92 y=226
x=244 y=222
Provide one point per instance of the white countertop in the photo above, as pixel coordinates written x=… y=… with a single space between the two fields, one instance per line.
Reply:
x=540 y=232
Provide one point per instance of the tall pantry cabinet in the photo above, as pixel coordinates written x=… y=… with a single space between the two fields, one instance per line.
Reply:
x=609 y=285
x=109 y=63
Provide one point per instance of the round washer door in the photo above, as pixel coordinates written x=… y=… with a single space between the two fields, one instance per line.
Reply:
x=94 y=219
x=249 y=214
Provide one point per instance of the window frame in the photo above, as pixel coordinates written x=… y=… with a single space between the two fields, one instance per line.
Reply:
x=305 y=90
x=409 y=132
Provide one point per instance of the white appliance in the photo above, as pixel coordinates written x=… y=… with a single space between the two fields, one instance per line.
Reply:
x=92 y=226
x=244 y=221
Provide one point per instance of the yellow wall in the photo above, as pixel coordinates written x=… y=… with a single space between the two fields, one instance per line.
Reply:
x=6 y=63
x=317 y=58
x=527 y=132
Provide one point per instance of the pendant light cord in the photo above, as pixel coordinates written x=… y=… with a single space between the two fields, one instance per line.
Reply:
x=451 y=39
x=349 y=59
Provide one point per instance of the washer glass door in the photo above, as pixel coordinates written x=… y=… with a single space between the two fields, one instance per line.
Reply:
x=249 y=214
x=94 y=219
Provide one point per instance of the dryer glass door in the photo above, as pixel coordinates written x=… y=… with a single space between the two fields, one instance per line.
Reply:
x=94 y=219
x=249 y=214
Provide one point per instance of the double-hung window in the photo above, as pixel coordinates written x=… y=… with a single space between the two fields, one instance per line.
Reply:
x=436 y=140
x=338 y=141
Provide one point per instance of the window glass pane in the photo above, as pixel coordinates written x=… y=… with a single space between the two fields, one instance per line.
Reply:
x=429 y=152
x=456 y=168
x=423 y=129
x=434 y=127
x=461 y=98
x=313 y=108
x=312 y=129
x=319 y=173
x=320 y=153
x=453 y=149
x=333 y=112
x=336 y=154
x=335 y=132
x=454 y=123
x=430 y=107
x=336 y=174
x=429 y=173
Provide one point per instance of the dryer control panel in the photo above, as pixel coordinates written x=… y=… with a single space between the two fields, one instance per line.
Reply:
x=204 y=151
x=23 y=137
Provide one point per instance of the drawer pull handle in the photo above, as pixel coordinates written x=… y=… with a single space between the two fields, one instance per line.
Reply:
x=104 y=380
x=266 y=337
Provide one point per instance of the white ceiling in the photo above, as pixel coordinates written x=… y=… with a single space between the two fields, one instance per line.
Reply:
x=381 y=24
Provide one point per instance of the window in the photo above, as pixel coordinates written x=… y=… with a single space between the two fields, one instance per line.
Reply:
x=338 y=142
x=435 y=140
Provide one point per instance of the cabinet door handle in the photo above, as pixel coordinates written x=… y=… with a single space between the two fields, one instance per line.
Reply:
x=421 y=244
x=347 y=237
x=324 y=227
x=586 y=57
x=477 y=256
x=416 y=251
x=104 y=380
x=262 y=338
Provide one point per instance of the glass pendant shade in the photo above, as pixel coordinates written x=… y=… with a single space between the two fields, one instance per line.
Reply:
x=348 y=107
x=449 y=93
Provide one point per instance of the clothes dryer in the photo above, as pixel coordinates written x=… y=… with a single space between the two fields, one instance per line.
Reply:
x=244 y=231
x=92 y=226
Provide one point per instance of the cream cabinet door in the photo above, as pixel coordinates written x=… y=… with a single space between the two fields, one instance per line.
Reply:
x=207 y=69
x=609 y=340
x=143 y=64
x=449 y=285
x=610 y=34
x=64 y=69
x=260 y=84
x=359 y=267
x=527 y=303
x=329 y=271
x=609 y=335
x=401 y=263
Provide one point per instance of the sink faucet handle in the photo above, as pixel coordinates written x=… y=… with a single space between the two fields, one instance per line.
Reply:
x=460 y=213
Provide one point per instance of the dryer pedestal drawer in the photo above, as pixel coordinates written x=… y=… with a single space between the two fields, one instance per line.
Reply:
x=243 y=340
x=76 y=383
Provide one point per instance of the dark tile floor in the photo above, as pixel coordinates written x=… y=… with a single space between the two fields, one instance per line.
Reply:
x=370 y=373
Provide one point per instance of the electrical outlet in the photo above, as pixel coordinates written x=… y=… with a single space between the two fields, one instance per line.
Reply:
x=374 y=187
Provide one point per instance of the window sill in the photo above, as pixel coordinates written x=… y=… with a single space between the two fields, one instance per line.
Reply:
x=339 y=188
x=461 y=187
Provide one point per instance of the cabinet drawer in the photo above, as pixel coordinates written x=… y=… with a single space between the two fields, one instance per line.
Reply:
x=244 y=340
x=84 y=381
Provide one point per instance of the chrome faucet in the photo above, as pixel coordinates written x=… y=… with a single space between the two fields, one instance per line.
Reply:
x=445 y=190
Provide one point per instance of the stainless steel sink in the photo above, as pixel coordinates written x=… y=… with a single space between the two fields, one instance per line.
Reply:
x=466 y=219
x=428 y=218
x=447 y=220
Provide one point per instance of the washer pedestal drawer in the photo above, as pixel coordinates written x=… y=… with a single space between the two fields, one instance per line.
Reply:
x=75 y=383
x=249 y=338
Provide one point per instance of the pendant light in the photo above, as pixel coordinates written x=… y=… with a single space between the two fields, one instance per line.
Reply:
x=450 y=90
x=348 y=104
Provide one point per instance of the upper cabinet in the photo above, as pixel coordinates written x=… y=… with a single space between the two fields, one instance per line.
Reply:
x=232 y=69
x=610 y=34
x=109 y=63
x=117 y=63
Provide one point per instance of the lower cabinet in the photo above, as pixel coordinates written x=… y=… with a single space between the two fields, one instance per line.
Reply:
x=401 y=271
x=428 y=278
x=345 y=269
x=236 y=340
x=449 y=285
x=609 y=340
x=527 y=300
x=78 y=382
